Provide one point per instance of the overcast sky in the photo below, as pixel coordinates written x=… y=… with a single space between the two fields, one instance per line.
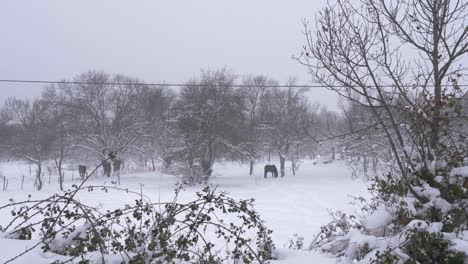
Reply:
x=152 y=40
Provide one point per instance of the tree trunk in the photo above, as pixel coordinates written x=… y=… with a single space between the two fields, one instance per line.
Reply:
x=293 y=166
x=365 y=163
x=282 y=164
x=38 y=182
x=58 y=164
x=207 y=164
x=252 y=162
x=62 y=176
x=435 y=123
x=374 y=163
x=295 y=161
x=152 y=163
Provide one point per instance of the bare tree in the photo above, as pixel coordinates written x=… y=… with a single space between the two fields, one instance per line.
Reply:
x=61 y=127
x=32 y=137
x=158 y=141
x=357 y=52
x=284 y=111
x=106 y=117
x=207 y=115
x=396 y=60
x=254 y=134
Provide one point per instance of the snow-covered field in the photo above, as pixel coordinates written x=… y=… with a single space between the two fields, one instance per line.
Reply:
x=290 y=205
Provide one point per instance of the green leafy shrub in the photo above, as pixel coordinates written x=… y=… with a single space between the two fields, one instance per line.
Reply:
x=425 y=247
x=210 y=229
x=387 y=257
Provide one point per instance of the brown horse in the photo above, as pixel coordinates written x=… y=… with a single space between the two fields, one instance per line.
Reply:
x=117 y=166
x=107 y=167
x=82 y=171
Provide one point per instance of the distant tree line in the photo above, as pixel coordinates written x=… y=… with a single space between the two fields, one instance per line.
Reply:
x=186 y=130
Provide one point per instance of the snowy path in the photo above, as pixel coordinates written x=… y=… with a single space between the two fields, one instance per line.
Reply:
x=290 y=205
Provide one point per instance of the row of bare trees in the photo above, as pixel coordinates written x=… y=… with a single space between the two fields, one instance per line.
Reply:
x=80 y=122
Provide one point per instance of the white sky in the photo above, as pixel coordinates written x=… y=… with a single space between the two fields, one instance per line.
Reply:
x=153 y=40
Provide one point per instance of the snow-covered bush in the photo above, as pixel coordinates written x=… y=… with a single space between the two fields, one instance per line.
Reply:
x=187 y=175
x=212 y=228
x=396 y=227
x=426 y=247
x=296 y=243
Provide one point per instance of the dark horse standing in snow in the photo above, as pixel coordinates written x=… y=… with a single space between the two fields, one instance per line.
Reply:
x=117 y=166
x=82 y=171
x=107 y=167
x=272 y=169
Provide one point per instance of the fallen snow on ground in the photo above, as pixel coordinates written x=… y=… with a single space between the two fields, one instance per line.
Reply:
x=290 y=205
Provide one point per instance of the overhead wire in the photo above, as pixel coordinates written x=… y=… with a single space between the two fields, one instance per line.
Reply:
x=200 y=85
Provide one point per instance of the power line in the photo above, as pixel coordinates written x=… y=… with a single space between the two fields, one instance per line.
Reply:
x=151 y=84
x=197 y=85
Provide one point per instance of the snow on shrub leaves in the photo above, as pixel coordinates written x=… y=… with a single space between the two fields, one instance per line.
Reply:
x=210 y=229
x=394 y=227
